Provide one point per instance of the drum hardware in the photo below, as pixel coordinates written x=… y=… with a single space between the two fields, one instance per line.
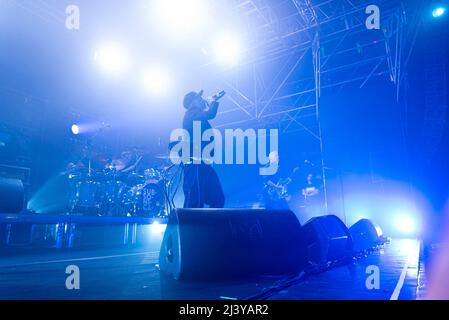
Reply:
x=122 y=186
x=112 y=193
x=84 y=196
x=172 y=185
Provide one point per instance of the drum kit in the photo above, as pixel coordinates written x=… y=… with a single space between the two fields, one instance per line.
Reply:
x=121 y=187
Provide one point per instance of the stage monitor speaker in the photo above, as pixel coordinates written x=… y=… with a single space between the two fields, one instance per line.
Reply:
x=12 y=195
x=326 y=239
x=225 y=243
x=365 y=235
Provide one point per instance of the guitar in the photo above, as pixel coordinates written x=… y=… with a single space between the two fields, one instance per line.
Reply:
x=310 y=192
x=279 y=190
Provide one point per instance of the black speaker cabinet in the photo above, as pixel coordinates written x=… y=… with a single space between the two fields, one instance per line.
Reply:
x=12 y=195
x=223 y=243
x=326 y=239
x=364 y=235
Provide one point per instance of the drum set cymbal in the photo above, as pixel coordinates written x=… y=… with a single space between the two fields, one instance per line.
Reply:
x=121 y=186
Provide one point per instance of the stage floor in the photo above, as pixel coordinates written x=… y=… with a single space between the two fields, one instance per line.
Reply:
x=133 y=274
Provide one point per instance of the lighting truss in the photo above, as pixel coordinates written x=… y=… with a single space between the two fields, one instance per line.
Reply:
x=300 y=47
x=316 y=45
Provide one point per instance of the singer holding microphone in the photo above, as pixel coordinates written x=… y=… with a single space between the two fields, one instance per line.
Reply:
x=201 y=184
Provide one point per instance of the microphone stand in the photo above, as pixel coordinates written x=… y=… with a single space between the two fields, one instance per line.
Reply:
x=170 y=200
x=340 y=179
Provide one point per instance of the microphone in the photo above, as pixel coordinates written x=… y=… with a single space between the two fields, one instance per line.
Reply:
x=218 y=96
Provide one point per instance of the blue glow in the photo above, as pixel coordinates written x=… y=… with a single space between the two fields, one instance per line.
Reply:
x=406 y=224
x=438 y=12
x=156 y=80
x=75 y=129
x=228 y=50
x=112 y=58
x=157 y=228
x=180 y=16
x=379 y=231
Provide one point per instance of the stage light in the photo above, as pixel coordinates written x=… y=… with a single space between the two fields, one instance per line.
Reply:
x=180 y=16
x=75 y=129
x=112 y=58
x=379 y=231
x=438 y=12
x=406 y=224
x=157 y=228
x=227 y=49
x=156 y=80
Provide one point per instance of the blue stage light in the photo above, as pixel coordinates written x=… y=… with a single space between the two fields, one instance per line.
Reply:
x=112 y=58
x=157 y=228
x=180 y=16
x=156 y=80
x=438 y=12
x=406 y=225
x=75 y=129
x=228 y=49
x=379 y=231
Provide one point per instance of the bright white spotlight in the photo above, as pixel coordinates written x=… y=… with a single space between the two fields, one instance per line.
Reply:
x=438 y=12
x=156 y=80
x=112 y=58
x=75 y=129
x=406 y=224
x=379 y=231
x=180 y=16
x=227 y=49
x=157 y=228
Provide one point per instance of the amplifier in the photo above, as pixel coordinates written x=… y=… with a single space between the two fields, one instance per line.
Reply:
x=12 y=172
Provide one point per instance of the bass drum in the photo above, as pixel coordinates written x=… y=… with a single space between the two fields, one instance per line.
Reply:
x=112 y=194
x=145 y=201
x=86 y=199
